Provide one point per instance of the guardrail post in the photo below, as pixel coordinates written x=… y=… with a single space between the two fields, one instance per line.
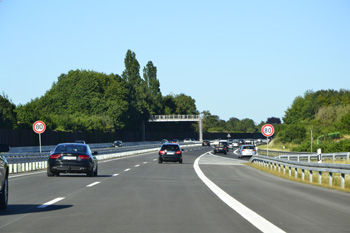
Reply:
x=279 y=168
x=284 y=169
x=333 y=157
x=309 y=158
x=296 y=172
x=342 y=181
x=298 y=157
x=330 y=178
x=303 y=174
x=310 y=177
x=290 y=171
x=320 y=177
x=347 y=156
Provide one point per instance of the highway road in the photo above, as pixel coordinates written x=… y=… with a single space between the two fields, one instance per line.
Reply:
x=207 y=193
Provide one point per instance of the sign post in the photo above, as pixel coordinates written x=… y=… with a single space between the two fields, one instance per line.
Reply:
x=39 y=127
x=267 y=130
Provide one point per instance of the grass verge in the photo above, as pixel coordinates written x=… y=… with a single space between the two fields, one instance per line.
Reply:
x=325 y=177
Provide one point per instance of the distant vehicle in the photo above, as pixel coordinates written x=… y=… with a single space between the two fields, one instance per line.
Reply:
x=187 y=140
x=117 y=143
x=241 y=142
x=72 y=158
x=4 y=177
x=175 y=141
x=259 y=141
x=229 y=143
x=246 y=150
x=80 y=141
x=206 y=143
x=249 y=141
x=193 y=140
x=221 y=147
x=164 y=141
x=235 y=143
x=170 y=152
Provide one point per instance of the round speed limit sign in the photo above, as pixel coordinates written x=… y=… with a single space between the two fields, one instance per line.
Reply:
x=39 y=127
x=267 y=130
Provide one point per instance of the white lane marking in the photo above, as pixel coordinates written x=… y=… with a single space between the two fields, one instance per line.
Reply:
x=25 y=174
x=137 y=165
x=93 y=184
x=128 y=169
x=50 y=202
x=115 y=175
x=145 y=162
x=259 y=222
x=154 y=159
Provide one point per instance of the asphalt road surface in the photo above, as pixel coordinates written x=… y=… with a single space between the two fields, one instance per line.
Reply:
x=207 y=193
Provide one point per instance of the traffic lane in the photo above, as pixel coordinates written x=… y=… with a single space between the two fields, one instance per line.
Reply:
x=151 y=197
x=292 y=206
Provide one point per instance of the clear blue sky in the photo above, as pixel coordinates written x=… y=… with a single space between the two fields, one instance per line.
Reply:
x=243 y=59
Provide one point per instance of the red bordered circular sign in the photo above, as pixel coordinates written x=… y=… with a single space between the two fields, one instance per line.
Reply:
x=267 y=130
x=39 y=127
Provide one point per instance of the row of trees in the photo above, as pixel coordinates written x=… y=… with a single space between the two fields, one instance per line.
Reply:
x=322 y=112
x=87 y=100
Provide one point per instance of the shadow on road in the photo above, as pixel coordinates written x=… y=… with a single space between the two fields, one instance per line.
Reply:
x=26 y=209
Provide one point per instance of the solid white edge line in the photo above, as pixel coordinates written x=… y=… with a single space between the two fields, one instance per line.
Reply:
x=115 y=175
x=50 y=202
x=128 y=169
x=92 y=184
x=259 y=222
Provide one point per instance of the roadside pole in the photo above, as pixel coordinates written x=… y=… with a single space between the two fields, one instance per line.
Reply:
x=267 y=130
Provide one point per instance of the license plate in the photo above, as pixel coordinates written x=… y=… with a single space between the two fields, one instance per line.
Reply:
x=69 y=158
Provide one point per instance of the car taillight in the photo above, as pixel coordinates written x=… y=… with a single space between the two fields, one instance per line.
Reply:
x=84 y=156
x=243 y=150
x=178 y=152
x=55 y=156
x=162 y=152
x=254 y=150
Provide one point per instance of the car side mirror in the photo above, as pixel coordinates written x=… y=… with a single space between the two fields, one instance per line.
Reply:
x=182 y=150
x=4 y=148
x=94 y=153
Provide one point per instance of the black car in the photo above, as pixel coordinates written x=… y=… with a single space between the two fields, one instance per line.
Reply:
x=4 y=177
x=221 y=148
x=206 y=143
x=170 y=152
x=117 y=143
x=72 y=158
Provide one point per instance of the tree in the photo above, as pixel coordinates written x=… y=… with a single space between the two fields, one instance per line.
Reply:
x=7 y=113
x=273 y=120
x=152 y=88
x=138 y=106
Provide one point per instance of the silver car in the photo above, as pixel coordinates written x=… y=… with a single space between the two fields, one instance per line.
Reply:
x=247 y=150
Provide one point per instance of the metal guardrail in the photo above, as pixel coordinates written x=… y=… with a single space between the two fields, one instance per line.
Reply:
x=286 y=162
x=31 y=161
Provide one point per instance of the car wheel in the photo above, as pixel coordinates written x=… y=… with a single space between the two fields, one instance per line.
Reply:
x=49 y=172
x=180 y=161
x=90 y=173
x=4 y=195
x=160 y=161
x=96 y=171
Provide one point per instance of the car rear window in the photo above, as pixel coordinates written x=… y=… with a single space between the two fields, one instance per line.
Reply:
x=249 y=147
x=70 y=149
x=170 y=147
